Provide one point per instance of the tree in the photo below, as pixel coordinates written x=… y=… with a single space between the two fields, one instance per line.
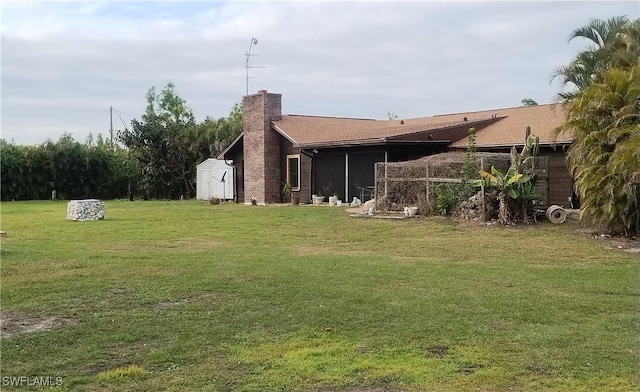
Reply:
x=605 y=154
x=156 y=143
x=529 y=102
x=603 y=117
x=611 y=43
x=212 y=136
x=167 y=143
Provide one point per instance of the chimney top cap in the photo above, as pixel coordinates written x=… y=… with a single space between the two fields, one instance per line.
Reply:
x=262 y=91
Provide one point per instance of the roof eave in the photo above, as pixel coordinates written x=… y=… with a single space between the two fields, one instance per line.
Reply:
x=368 y=142
x=340 y=143
x=230 y=146
x=503 y=145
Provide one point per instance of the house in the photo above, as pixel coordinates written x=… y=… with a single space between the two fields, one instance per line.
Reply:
x=334 y=155
x=510 y=131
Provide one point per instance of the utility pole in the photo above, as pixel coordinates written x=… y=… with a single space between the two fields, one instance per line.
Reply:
x=111 y=125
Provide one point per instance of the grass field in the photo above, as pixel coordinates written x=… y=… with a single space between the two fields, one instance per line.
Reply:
x=184 y=296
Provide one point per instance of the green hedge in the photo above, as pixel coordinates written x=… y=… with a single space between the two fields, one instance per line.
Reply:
x=72 y=169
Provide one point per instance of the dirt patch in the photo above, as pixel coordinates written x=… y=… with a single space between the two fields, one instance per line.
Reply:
x=118 y=291
x=362 y=349
x=361 y=212
x=538 y=369
x=608 y=241
x=122 y=356
x=438 y=351
x=13 y=324
x=624 y=244
x=468 y=370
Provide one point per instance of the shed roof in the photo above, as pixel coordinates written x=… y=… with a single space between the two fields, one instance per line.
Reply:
x=212 y=163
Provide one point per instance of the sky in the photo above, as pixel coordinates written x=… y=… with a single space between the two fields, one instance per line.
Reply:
x=63 y=64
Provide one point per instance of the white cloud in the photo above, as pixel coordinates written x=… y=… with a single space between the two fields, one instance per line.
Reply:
x=63 y=61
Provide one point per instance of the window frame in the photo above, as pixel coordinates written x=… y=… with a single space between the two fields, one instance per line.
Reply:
x=289 y=158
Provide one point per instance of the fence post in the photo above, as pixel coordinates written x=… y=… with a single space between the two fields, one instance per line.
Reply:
x=484 y=211
x=375 y=183
x=428 y=191
x=386 y=175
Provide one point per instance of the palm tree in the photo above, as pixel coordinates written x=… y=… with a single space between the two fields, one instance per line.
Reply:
x=580 y=73
x=627 y=51
x=611 y=43
x=605 y=121
x=601 y=33
x=603 y=115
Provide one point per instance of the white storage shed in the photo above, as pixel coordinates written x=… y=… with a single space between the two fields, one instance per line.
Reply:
x=214 y=178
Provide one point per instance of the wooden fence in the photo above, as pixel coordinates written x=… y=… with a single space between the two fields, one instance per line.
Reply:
x=404 y=184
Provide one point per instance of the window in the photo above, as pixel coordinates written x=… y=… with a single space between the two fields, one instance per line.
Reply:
x=293 y=171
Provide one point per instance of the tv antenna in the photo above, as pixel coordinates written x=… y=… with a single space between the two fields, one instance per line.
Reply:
x=247 y=55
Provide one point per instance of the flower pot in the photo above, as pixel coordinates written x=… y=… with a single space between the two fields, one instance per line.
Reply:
x=318 y=200
x=339 y=203
x=410 y=211
x=295 y=200
x=333 y=200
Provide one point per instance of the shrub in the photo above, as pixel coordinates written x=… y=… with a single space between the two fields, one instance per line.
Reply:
x=446 y=198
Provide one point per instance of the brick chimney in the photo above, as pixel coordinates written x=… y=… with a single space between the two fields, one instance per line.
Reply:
x=261 y=147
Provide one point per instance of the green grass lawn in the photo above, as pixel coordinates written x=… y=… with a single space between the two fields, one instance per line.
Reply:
x=187 y=296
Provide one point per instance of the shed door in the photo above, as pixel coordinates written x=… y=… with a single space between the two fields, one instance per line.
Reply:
x=204 y=184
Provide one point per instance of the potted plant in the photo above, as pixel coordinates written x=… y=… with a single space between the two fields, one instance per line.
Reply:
x=326 y=191
x=333 y=199
x=286 y=191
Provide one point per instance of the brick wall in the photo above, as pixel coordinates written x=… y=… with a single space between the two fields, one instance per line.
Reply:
x=261 y=147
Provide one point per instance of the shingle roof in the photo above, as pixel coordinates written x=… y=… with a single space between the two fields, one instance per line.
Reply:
x=542 y=119
x=508 y=129
x=311 y=130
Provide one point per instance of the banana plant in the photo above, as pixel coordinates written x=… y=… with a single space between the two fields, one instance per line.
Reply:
x=516 y=187
x=508 y=184
x=515 y=193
